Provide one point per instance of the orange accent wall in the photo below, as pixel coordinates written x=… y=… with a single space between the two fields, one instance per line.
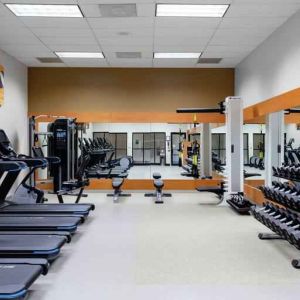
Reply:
x=120 y=94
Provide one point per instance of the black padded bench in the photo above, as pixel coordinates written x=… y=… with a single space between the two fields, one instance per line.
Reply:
x=116 y=185
x=158 y=184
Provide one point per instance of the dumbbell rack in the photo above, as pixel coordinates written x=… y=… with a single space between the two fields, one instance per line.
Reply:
x=283 y=219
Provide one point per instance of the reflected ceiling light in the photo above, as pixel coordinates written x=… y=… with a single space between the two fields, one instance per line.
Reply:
x=176 y=55
x=191 y=10
x=45 y=10
x=80 y=54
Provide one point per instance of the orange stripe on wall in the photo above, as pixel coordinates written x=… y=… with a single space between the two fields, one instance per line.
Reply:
x=137 y=117
x=284 y=101
x=145 y=184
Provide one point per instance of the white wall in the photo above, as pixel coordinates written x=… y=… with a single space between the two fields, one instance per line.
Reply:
x=273 y=68
x=13 y=114
x=292 y=132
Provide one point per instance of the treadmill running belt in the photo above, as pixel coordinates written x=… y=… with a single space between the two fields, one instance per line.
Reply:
x=39 y=223
x=16 y=279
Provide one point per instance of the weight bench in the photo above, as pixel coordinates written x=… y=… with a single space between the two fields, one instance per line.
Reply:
x=117 y=184
x=158 y=184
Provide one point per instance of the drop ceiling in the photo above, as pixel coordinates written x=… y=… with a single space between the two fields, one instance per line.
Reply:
x=244 y=27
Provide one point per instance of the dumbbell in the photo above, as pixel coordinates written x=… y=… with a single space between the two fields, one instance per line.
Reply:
x=260 y=214
x=270 y=217
x=291 y=232
x=280 y=220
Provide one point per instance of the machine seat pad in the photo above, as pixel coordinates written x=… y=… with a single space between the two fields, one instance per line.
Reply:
x=156 y=175
x=117 y=182
x=158 y=183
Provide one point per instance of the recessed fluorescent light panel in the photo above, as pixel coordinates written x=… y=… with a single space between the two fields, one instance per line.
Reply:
x=80 y=54
x=45 y=10
x=191 y=10
x=177 y=55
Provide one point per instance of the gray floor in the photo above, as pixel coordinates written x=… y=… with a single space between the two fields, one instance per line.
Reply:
x=257 y=171
x=182 y=249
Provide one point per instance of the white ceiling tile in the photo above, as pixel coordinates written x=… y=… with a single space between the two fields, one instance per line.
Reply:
x=61 y=32
x=19 y=31
x=125 y=63
x=251 y=22
x=54 y=22
x=181 y=40
x=126 y=48
x=184 y=32
x=28 y=51
x=236 y=37
x=74 y=48
x=10 y=23
x=18 y=39
x=146 y=10
x=91 y=11
x=262 y=10
x=120 y=41
x=110 y=23
x=191 y=23
x=178 y=48
x=70 y=40
x=123 y=32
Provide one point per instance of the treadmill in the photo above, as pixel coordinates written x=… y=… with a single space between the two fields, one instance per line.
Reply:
x=15 y=207
x=17 y=275
x=10 y=171
x=31 y=246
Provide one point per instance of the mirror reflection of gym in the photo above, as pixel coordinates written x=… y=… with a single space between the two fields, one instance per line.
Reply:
x=174 y=150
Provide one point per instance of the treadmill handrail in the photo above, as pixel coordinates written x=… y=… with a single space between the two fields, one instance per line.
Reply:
x=9 y=166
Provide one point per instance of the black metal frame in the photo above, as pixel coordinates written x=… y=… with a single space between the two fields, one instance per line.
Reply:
x=115 y=142
x=264 y=141
x=143 y=148
x=219 y=149
x=172 y=134
x=246 y=161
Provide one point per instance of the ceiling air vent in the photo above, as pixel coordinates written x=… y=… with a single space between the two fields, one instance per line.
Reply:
x=49 y=60
x=117 y=10
x=209 y=60
x=128 y=54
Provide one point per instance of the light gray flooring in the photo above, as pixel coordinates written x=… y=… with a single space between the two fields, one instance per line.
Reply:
x=180 y=250
x=257 y=171
x=167 y=172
